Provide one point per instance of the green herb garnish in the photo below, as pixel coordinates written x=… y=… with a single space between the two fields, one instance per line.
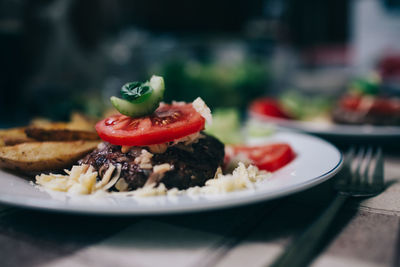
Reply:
x=140 y=99
x=136 y=92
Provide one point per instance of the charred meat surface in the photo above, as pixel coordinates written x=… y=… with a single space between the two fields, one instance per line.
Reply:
x=190 y=165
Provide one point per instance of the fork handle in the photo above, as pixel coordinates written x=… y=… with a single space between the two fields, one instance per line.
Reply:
x=300 y=251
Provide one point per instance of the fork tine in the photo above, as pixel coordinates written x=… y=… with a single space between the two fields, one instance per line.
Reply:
x=349 y=156
x=355 y=170
x=346 y=171
x=377 y=176
x=366 y=167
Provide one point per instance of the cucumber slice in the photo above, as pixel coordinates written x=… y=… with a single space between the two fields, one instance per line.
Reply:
x=143 y=108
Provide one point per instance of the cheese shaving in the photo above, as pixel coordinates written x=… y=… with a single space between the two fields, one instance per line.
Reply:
x=158 y=148
x=201 y=107
x=144 y=158
x=82 y=180
x=122 y=185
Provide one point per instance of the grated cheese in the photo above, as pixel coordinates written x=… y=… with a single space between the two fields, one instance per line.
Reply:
x=122 y=185
x=144 y=160
x=203 y=109
x=158 y=148
x=82 y=180
x=162 y=168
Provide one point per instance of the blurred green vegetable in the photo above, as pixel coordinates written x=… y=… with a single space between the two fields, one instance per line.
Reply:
x=220 y=85
x=303 y=107
x=366 y=86
x=226 y=126
x=254 y=128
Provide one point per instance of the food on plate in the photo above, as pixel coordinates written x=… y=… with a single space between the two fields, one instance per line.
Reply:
x=152 y=152
x=226 y=126
x=138 y=98
x=33 y=148
x=43 y=134
x=293 y=106
x=167 y=123
x=270 y=157
x=77 y=121
x=78 y=128
x=353 y=109
x=180 y=166
x=270 y=107
x=150 y=147
x=363 y=103
x=165 y=146
x=9 y=137
x=44 y=156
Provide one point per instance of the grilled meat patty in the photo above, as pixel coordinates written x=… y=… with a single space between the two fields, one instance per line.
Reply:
x=191 y=165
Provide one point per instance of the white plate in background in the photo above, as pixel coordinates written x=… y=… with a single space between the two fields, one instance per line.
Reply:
x=330 y=129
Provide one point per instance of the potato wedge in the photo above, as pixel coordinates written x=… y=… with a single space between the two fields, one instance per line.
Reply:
x=13 y=136
x=44 y=156
x=79 y=121
x=49 y=134
x=46 y=124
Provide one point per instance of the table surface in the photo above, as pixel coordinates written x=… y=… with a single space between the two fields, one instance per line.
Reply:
x=365 y=233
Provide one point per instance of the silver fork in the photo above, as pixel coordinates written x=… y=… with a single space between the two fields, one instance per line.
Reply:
x=361 y=176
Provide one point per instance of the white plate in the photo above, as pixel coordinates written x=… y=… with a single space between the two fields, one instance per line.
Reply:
x=331 y=129
x=316 y=161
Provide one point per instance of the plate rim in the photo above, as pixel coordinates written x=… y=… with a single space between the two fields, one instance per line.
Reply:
x=191 y=207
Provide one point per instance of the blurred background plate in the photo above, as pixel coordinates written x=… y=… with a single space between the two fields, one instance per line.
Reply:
x=327 y=129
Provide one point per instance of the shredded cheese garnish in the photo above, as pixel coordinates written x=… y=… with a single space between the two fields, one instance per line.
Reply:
x=186 y=141
x=201 y=107
x=162 y=168
x=144 y=160
x=159 y=148
x=82 y=180
x=122 y=185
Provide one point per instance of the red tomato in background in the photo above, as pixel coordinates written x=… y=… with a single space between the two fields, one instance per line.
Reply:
x=167 y=123
x=269 y=157
x=379 y=105
x=269 y=107
x=350 y=102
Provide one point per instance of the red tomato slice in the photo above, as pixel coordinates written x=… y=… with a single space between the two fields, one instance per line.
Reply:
x=269 y=107
x=267 y=157
x=167 y=123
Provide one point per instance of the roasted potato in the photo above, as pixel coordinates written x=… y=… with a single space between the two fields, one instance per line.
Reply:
x=43 y=134
x=77 y=122
x=81 y=122
x=44 y=156
x=13 y=136
x=79 y=128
